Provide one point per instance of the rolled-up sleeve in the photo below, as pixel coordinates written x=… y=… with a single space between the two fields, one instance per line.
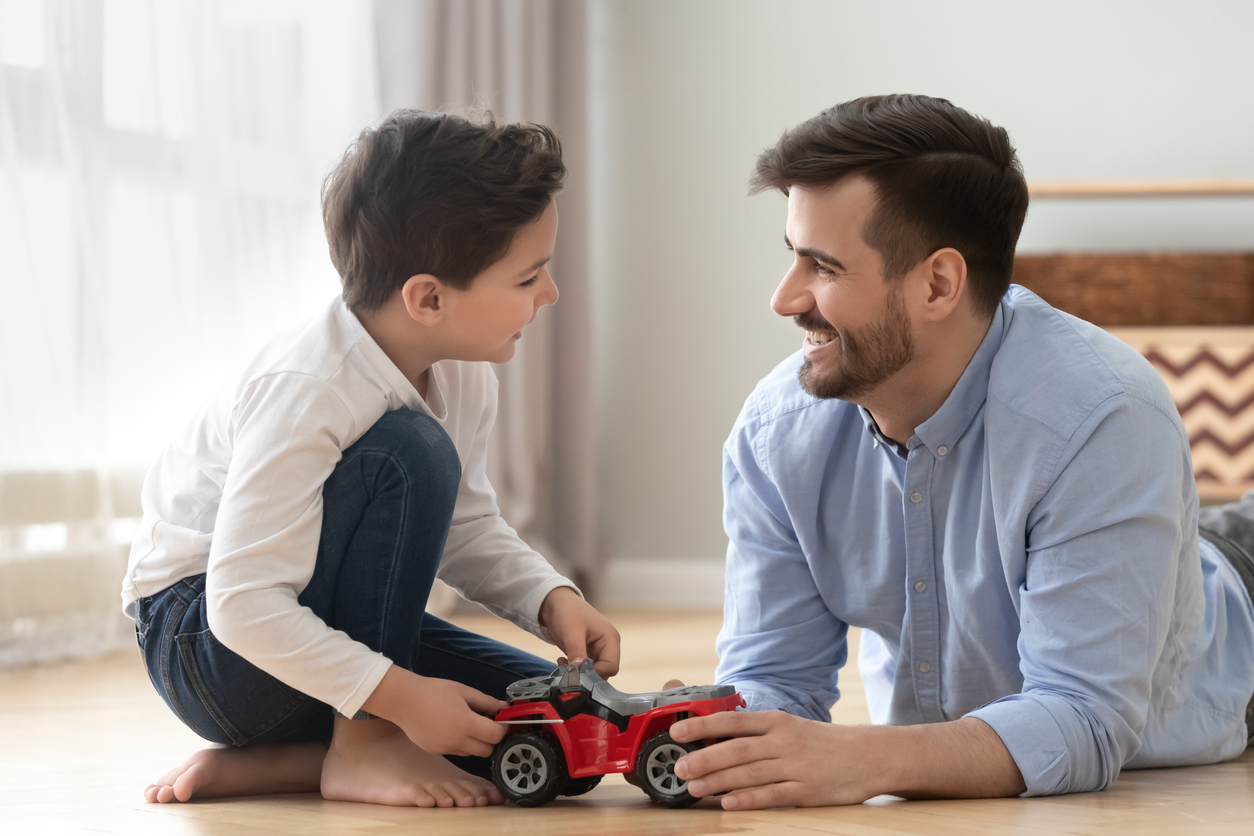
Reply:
x=1102 y=559
x=780 y=645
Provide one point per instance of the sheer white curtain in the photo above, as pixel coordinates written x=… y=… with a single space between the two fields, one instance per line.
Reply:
x=159 y=172
x=525 y=60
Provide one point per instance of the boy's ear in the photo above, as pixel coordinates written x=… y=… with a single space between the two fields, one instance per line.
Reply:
x=423 y=295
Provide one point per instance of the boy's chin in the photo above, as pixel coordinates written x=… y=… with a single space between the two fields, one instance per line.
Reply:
x=503 y=354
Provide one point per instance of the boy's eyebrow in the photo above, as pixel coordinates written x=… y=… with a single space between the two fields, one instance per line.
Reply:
x=817 y=255
x=536 y=266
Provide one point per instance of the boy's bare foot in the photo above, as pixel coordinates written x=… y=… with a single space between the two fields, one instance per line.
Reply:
x=373 y=761
x=210 y=773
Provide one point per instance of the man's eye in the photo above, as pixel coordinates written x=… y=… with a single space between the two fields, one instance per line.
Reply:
x=823 y=269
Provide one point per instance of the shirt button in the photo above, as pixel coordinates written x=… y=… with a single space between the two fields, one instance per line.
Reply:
x=916 y=497
x=942 y=450
x=919 y=586
x=924 y=667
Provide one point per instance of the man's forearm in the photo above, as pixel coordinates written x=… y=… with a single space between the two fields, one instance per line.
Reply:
x=961 y=759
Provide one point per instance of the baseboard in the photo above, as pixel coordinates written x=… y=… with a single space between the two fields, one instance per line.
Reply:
x=664 y=583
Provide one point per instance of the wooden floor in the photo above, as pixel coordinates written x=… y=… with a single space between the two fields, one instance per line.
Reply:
x=79 y=741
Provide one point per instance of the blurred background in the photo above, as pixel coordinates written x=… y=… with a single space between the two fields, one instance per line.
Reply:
x=160 y=165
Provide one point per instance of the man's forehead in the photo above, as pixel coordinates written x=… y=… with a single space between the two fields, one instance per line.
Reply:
x=829 y=214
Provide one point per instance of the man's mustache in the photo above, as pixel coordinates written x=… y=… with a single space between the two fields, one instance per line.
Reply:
x=812 y=321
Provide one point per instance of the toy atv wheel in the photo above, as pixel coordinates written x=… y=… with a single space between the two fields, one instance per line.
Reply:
x=579 y=786
x=655 y=770
x=529 y=769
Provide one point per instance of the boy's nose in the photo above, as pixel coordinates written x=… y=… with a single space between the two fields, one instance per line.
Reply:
x=549 y=294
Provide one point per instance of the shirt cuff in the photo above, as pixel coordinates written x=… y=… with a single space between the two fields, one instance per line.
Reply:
x=351 y=705
x=1034 y=740
x=529 y=613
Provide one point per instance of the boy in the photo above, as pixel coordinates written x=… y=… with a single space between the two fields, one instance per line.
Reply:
x=292 y=533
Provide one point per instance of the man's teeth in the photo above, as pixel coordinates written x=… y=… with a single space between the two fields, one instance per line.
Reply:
x=821 y=337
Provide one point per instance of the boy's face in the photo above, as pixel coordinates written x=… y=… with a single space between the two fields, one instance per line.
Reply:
x=484 y=321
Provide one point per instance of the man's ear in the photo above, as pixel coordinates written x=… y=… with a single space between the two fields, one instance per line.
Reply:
x=423 y=295
x=944 y=277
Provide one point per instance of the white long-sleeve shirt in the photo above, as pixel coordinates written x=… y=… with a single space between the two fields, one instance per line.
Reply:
x=238 y=495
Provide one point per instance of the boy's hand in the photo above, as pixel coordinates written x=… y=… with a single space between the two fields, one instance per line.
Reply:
x=580 y=631
x=439 y=715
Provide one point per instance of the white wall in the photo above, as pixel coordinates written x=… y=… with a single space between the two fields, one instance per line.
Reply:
x=685 y=95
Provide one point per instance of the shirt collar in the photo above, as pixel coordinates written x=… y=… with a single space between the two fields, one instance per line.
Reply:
x=947 y=425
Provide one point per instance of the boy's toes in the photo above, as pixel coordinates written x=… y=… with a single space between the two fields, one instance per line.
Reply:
x=150 y=793
x=165 y=795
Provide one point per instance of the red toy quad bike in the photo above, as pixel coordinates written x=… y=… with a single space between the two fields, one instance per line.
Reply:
x=571 y=727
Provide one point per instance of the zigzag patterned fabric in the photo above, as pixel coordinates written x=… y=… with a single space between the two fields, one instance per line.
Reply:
x=1210 y=373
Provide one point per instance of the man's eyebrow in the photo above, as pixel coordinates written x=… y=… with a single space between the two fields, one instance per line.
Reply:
x=817 y=255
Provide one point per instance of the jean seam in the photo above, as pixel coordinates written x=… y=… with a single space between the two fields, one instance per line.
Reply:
x=198 y=685
x=392 y=459
x=174 y=616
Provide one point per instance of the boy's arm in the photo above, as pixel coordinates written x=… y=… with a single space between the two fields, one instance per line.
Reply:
x=286 y=441
x=484 y=558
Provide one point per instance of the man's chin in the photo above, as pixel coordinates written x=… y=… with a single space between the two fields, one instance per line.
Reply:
x=820 y=386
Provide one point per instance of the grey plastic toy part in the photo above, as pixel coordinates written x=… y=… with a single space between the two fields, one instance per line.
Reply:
x=586 y=678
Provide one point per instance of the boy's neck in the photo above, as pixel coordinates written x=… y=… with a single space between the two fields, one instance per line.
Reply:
x=393 y=331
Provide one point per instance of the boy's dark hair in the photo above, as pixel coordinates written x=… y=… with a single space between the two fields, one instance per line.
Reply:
x=433 y=193
x=943 y=178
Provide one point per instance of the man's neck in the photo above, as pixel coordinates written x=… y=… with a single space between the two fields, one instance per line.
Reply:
x=915 y=393
x=393 y=331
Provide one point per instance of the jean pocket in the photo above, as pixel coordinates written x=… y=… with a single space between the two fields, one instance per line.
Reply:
x=244 y=701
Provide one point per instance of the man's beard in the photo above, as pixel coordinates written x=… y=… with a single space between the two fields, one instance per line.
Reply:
x=868 y=357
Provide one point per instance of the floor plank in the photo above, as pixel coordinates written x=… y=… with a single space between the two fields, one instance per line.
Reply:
x=80 y=740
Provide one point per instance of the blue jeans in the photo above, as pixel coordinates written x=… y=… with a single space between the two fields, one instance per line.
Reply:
x=386 y=513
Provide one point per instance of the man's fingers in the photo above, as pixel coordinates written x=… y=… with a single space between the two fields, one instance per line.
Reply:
x=723 y=724
x=725 y=755
x=754 y=773
x=761 y=798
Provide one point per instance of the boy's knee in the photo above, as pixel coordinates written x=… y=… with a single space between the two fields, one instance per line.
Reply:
x=417 y=443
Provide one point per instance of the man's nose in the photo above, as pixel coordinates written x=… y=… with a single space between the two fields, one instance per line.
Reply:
x=792 y=297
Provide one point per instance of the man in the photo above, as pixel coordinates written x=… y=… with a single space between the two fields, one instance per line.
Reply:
x=1000 y=495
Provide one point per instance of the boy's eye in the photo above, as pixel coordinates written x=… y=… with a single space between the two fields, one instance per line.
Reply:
x=529 y=281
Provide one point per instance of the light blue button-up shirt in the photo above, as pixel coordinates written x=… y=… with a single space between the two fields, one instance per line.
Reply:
x=1032 y=560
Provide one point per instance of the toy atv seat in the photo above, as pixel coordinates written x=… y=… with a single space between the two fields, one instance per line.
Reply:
x=571 y=727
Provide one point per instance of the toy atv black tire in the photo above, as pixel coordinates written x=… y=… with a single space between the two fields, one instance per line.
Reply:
x=529 y=769
x=655 y=770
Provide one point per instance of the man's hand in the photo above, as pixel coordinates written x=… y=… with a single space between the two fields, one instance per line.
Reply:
x=439 y=715
x=580 y=631
x=778 y=760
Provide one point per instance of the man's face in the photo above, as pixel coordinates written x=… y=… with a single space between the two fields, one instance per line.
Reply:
x=857 y=332
x=486 y=319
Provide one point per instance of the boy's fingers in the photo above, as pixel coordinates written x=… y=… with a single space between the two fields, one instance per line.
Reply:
x=610 y=652
x=576 y=651
x=480 y=702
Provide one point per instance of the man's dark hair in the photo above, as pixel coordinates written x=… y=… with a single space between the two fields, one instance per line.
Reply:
x=433 y=193
x=943 y=178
